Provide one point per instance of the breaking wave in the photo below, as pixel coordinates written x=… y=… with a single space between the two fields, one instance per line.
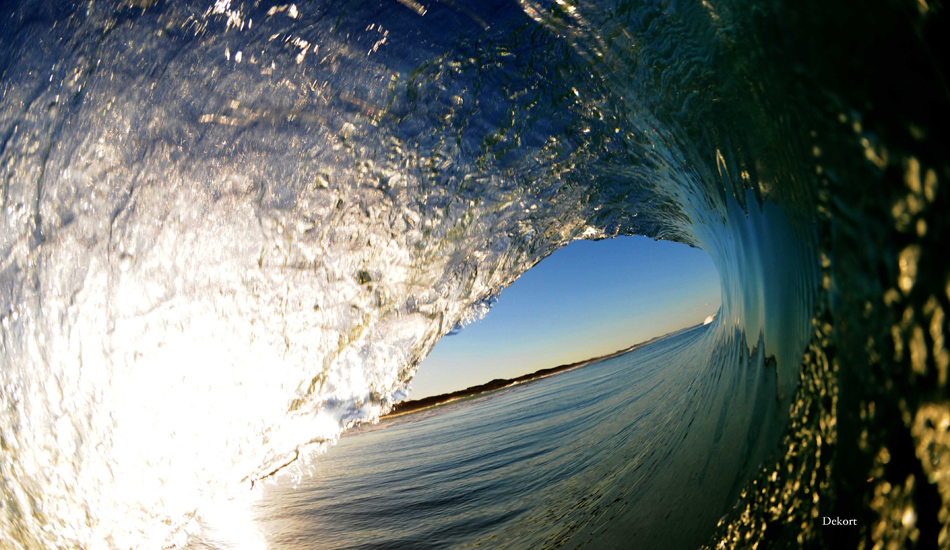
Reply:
x=233 y=230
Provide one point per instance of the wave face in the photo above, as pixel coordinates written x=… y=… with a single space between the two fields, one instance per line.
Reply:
x=231 y=230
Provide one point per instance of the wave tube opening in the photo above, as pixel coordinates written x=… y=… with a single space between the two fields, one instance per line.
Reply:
x=586 y=300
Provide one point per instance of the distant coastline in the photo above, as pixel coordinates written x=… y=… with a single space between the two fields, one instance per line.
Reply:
x=415 y=405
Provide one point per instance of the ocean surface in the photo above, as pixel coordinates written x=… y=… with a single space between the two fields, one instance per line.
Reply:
x=230 y=230
x=614 y=453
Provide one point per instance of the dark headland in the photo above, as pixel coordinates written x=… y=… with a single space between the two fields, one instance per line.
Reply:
x=413 y=405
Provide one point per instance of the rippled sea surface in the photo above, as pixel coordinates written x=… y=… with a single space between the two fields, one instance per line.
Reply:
x=231 y=229
x=615 y=453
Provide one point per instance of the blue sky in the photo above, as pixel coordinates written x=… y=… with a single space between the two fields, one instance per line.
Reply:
x=587 y=299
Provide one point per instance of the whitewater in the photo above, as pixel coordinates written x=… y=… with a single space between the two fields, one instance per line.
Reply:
x=232 y=230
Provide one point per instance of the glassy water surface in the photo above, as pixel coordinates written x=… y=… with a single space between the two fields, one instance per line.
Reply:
x=616 y=451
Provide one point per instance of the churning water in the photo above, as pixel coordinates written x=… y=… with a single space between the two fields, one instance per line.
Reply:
x=232 y=229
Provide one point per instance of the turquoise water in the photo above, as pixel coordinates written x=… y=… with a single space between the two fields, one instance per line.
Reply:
x=616 y=453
